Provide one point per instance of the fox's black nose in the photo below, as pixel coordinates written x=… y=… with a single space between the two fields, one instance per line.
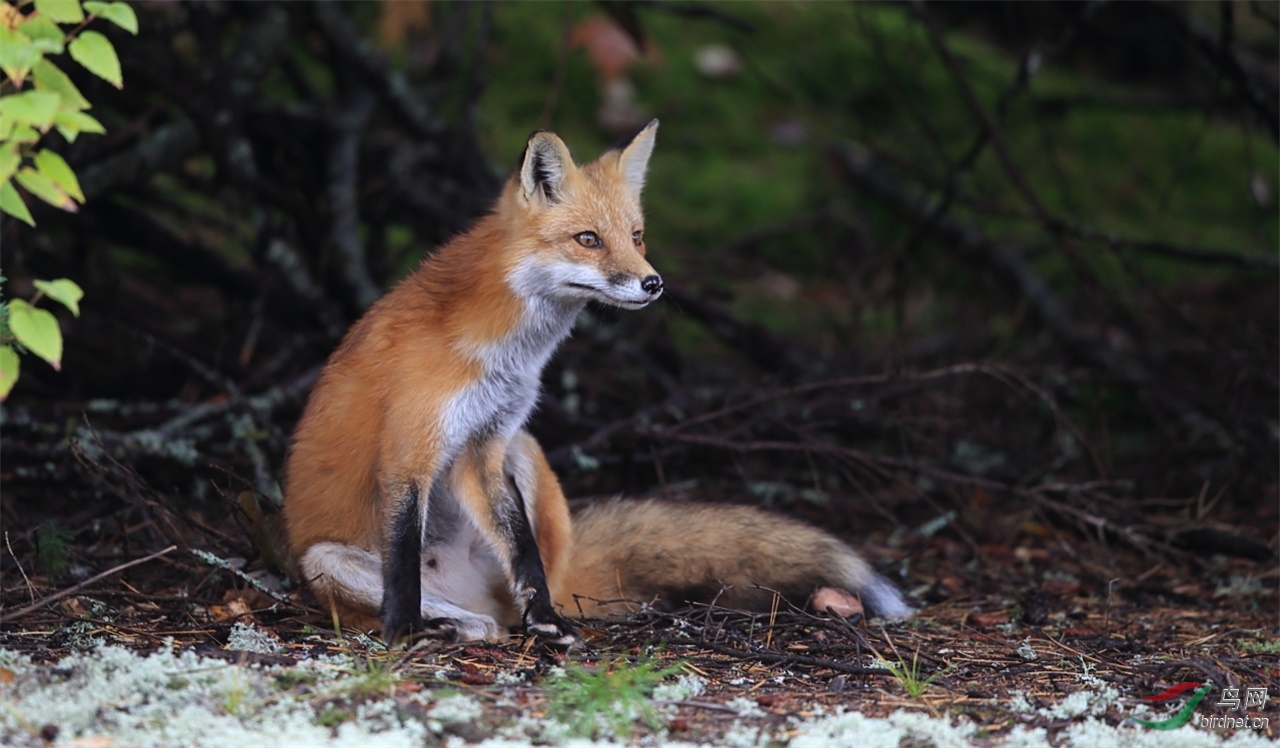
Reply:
x=652 y=285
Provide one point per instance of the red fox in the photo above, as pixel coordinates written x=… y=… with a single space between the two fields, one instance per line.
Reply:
x=408 y=432
x=414 y=498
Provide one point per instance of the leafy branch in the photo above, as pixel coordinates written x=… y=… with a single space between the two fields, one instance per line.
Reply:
x=38 y=97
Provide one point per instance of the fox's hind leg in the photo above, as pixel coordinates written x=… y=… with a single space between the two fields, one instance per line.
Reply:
x=348 y=580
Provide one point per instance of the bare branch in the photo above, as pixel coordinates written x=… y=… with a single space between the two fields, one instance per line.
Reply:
x=73 y=589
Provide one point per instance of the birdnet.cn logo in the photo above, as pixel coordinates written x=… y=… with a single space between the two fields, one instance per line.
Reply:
x=1230 y=700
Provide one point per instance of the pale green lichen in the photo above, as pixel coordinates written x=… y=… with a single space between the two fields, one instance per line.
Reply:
x=169 y=698
x=685 y=687
x=245 y=637
x=1081 y=704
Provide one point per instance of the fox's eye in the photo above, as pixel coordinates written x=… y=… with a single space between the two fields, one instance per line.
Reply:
x=637 y=237
x=588 y=239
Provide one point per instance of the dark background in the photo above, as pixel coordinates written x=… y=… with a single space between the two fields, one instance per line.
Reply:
x=1003 y=272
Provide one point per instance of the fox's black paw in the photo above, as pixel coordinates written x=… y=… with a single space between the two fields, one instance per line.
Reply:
x=396 y=630
x=553 y=631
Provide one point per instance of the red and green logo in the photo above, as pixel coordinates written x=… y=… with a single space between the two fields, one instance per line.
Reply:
x=1184 y=715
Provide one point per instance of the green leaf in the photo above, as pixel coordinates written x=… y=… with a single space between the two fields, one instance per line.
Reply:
x=39 y=28
x=37 y=329
x=62 y=11
x=71 y=124
x=23 y=134
x=8 y=370
x=59 y=172
x=17 y=54
x=65 y=292
x=45 y=189
x=9 y=160
x=48 y=77
x=34 y=108
x=11 y=203
x=118 y=13
x=95 y=52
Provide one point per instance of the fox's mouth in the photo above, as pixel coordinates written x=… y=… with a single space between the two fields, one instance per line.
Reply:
x=608 y=298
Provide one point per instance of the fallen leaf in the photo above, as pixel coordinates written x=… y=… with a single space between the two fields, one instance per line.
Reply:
x=477 y=679
x=989 y=619
x=72 y=606
x=236 y=607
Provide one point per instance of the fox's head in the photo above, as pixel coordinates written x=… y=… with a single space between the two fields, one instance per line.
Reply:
x=585 y=221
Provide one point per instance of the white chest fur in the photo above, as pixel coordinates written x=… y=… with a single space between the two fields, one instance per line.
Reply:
x=500 y=401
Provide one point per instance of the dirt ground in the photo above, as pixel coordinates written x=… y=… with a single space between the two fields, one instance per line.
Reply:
x=1004 y=637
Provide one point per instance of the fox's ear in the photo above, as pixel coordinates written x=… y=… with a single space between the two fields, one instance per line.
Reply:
x=633 y=161
x=542 y=169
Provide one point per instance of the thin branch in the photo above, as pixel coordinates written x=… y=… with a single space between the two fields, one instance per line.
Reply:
x=390 y=84
x=873 y=176
x=1197 y=255
x=165 y=147
x=343 y=193
x=77 y=587
x=1220 y=56
x=989 y=124
x=289 y=262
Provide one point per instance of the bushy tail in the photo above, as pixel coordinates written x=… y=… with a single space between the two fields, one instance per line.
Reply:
x=667 y=553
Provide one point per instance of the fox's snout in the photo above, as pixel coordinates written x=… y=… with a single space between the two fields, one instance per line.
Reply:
x=651 y=285
x=632 y=292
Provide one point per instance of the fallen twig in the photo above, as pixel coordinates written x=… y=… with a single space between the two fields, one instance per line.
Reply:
x=77 y=587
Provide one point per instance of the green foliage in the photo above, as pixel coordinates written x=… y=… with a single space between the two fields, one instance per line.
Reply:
x=38 y=97
x=37 y=329
x=26 y=327
x=51 y=101
x=909 y=676
x=373 y=676
x=94 y=51
x=609 y=698
x=1154 y=173
x=53 y=553
x=234 y=692
x=1261 y=646
x=332 y=717
x=63 y=291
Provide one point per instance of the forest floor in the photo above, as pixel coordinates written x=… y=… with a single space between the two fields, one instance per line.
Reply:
x=901 y=262
x=177 y=651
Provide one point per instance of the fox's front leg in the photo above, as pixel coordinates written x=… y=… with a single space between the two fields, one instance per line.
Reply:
x=497 y=507
x=401 y=610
